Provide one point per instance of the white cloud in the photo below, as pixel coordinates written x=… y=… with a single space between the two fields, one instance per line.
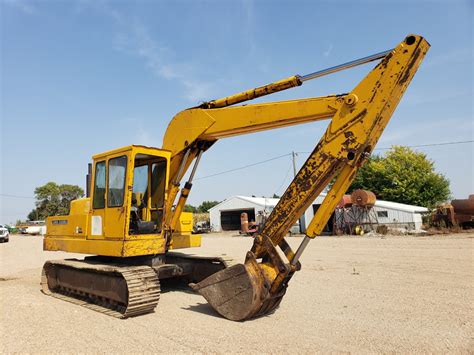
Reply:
x=328 y=51
x=198 y=91
x=249 y=25
x=134 y=38
x=141 y=133
x=137 y=41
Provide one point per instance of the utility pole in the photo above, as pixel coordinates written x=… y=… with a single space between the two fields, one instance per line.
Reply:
x=301 y=220
x=294 y=155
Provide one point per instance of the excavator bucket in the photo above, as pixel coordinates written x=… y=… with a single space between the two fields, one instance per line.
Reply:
x=239 y=292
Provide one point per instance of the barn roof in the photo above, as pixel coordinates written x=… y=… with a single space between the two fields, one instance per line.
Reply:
x=259 y=201
x=272 y=202
x=400 y=206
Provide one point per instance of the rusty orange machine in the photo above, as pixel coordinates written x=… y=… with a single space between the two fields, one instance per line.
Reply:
x=131 y=223
x=459 y=212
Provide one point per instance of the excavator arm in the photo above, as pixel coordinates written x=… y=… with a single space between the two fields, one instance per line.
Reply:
x=357 y=120
x=203 y=127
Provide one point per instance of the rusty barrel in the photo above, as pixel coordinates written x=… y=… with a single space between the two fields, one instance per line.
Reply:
x=244 y=222
x=363 y=198
x=465 y=206
x=346 y=201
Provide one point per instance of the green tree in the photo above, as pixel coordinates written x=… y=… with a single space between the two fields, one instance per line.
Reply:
x=190 y=208
x=54 y=200
x=403 y=175
x=206 y=205
x=33 y=215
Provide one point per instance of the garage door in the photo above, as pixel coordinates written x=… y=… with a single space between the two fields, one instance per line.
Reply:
x=328 y=228
x=230 y=220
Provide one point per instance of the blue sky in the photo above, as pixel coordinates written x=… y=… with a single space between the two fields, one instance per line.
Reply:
x=82 y=77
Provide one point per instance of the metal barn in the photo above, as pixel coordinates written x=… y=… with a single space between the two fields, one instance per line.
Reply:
x=226 y=215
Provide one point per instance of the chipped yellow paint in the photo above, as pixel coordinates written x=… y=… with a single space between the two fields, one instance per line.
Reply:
x=180 y=241
x=106 y=247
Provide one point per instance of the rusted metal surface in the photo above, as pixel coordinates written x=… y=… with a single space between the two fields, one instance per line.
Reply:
x=268 y=89
x=257 y=287
x=465 y=206
x=238 y=292
x=363 y=198
x=345 y=201
x=244 y=222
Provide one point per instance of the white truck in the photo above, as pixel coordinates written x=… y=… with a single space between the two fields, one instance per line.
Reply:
x=4 y=234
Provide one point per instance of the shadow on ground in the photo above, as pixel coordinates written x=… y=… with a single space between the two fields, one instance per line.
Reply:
x=203 y=308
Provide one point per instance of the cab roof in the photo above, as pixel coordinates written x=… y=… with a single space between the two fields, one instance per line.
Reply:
x=136 y=149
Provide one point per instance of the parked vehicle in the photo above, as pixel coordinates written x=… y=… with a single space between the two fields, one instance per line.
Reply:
x=202 y=227
x=4 y=234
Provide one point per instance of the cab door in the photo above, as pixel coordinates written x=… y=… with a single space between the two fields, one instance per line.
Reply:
x=116 y=197
x=99 y=191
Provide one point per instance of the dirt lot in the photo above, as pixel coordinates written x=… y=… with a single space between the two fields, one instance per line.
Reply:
x=359 y=294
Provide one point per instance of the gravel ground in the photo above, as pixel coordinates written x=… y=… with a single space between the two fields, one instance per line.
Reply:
x=354 y=294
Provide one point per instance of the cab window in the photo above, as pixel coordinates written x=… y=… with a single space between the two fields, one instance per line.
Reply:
x=158 y=181
x=148 y=194
x=140 y=186
x=116 y=182
x=99 y=186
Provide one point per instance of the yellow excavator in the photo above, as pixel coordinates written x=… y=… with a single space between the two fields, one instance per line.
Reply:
x=131 y=220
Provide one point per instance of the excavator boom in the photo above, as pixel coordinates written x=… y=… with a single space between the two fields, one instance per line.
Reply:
x=257 y=286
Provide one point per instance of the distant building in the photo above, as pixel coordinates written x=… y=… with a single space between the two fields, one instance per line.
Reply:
x=390 y=214
x=226 y=215
x=400 y=215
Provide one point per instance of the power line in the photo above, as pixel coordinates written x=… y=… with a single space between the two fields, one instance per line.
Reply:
x=430 y=145
x=285 y=155
x=284 y=180
x=243 y=167
x=418 y=146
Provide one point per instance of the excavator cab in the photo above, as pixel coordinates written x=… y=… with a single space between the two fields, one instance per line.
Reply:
x=123 y=216
x=128 y=193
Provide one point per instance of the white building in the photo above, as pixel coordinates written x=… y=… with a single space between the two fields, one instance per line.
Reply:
x=226 y=215
x=400 y=215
